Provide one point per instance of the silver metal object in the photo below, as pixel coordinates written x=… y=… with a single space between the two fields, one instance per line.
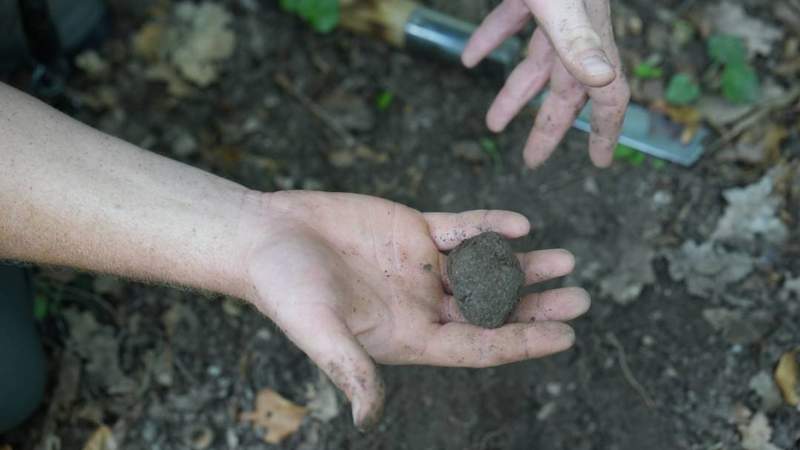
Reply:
x=650 y=132
x=444 y=37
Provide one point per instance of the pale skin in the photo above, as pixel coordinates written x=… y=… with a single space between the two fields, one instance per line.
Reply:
x=573 y=50
x=353 y=280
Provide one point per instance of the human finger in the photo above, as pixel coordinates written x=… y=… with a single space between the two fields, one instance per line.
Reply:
x=578 y=44
x=556 y=304
x=555 y=117
x=506 y=19
x=523 y=84
x=463 y=345
x=543 y=265
x=449 y=229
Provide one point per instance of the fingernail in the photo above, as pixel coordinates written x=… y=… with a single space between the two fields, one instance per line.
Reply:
x=597 y=64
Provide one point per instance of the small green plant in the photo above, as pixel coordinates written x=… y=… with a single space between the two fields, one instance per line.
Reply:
x=41 y=307
x=624 y=153
x=490 y=148
x=384 y=100
x=322 y=15
x=647 y=70
x=682 y=90
x=739 y=81
x=724 y=49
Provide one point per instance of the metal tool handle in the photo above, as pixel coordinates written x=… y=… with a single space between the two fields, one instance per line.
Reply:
x=444 y=37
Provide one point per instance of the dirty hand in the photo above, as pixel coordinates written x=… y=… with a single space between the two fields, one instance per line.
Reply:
x=573 y=48
x=355 y=280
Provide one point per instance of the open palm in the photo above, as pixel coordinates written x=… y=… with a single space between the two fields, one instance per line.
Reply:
x=353 y=279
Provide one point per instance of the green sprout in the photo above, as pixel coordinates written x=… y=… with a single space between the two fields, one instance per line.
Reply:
x=384 y=100
x=682 y=90
x=322 y=15
x=490 y=148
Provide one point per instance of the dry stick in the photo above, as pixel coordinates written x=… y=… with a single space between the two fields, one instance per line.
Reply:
x=626 y=371
x=754 y=117
x=316 y=110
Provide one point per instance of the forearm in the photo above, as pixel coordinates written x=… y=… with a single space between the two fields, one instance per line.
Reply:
x=73 y=196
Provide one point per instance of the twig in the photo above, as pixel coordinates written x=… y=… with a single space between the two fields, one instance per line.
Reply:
x=751 y=119
x=626 y=371
x=315 y=110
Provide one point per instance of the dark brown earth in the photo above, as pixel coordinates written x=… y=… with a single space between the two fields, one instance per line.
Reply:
x=486 y=279
x=648 y=373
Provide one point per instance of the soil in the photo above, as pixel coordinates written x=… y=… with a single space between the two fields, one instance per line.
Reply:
x=647 y=373
x=486 y=279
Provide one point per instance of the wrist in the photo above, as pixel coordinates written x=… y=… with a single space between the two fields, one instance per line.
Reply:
x=271 y=223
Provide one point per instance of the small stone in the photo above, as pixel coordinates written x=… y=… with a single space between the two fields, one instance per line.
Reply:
x=763 y=385
x=662 y=198
x=349 y=111
x=90 y=62
x=486 y=278
x=149 y=431
x=231 y=438
x=232 y=307
x=635 y=25
x=184 y=145
x=590 y=186
x=251 y=125
x=198 y=437
x=214 y=371
x=264 y=334
x=284 y=182
x=313 y=184
x=546 y=411
x=553 y=388
x=469 y=151
x=342 y=159
x=736 y=328
x=107 y=284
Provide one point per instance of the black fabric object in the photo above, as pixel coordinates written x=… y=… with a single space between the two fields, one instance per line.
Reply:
x=22 y=363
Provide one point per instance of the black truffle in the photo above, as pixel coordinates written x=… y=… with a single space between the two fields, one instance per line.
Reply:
x=486 y=278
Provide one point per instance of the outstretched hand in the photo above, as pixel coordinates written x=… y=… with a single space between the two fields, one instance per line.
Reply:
x=354 y=280
x=573 y=49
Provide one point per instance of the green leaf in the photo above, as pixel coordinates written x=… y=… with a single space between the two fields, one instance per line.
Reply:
x=624 y=153
x=682 y=90
x=326 y=15
x=725 y=49
x=490 y=148
x=384 y=100
x=740 y=83
x=288 y=5
x=647 y=71
x=41 y=307
x=322 y=15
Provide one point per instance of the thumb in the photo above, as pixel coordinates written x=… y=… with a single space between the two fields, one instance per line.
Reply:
x=571 y=33
x=331 y=345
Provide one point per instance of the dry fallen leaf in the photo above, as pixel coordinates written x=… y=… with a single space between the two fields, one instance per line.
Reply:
x=147 y=41
x=101 y=439
x=279 y=416
x=757 y=434
x=688 y=116
x=758 y=145
x=786 y=377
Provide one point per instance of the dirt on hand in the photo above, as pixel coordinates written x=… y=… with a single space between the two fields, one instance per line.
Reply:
x=486 y=278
